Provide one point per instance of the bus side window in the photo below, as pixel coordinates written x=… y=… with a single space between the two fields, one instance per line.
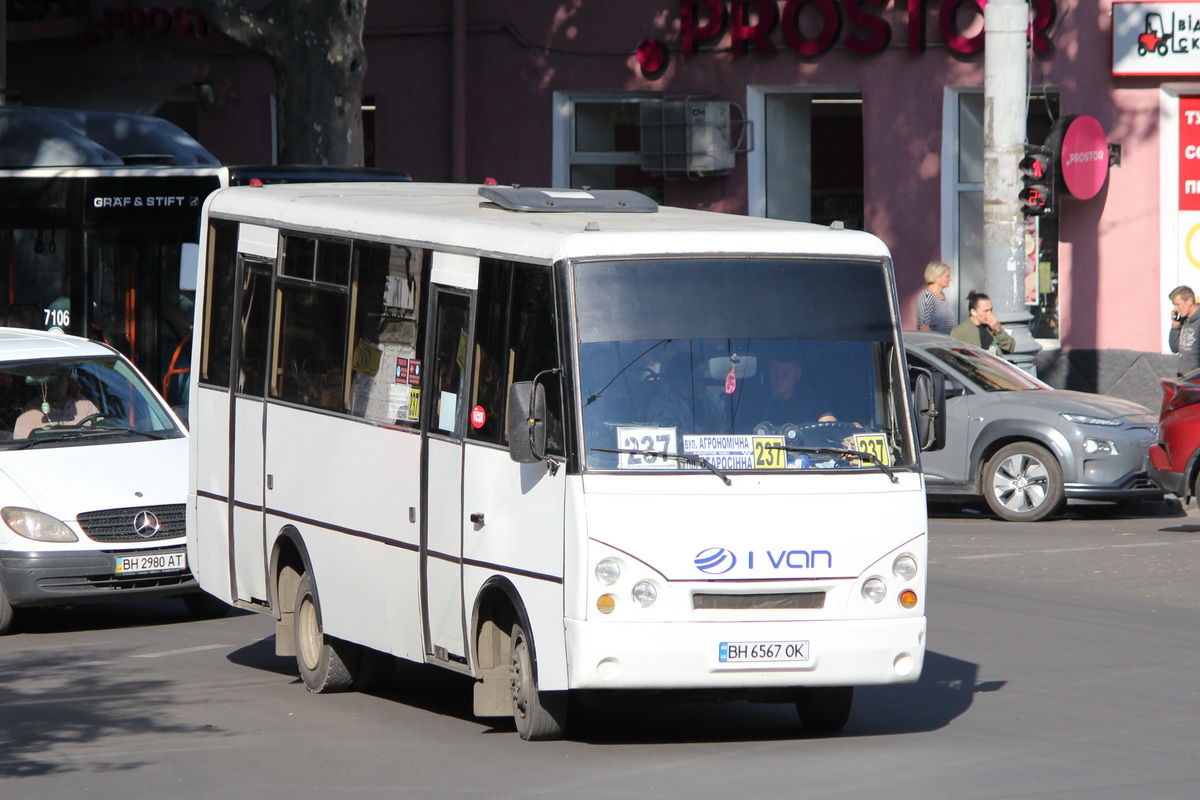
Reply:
x=385 y=362
x=218 y=305
x=489 y=384
x=533 y=325
x=516 y=339
x=312 y=347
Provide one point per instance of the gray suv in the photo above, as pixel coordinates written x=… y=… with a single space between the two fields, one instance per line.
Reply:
x=1024 y=446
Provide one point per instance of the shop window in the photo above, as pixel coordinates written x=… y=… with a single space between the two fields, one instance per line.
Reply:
x=963 y=226
x=598 y=143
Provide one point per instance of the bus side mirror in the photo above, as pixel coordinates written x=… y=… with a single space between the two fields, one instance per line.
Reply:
x=929 y=404
x=526 y=422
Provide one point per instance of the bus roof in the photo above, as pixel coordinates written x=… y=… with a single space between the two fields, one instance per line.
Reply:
x=454 y=217
x=60 y=137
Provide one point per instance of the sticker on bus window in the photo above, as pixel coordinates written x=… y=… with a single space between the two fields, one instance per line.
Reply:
x=399 y=401
x=648 y=443
x=414 y=403
x=876 y=444
x=401 y=370
x=414 y=372
x=367 y=358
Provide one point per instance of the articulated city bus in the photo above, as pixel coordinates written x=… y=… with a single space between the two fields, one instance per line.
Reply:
x=100 y=229
x=560 y=441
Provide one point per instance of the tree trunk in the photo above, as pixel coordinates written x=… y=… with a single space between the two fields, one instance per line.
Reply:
x=316 y=50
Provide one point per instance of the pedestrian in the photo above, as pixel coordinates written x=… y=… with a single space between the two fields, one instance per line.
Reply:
x=982 y=329
x=934 y=311
x=1185 y=329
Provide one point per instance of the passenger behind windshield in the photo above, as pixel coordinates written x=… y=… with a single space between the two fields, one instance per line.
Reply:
x=61 y=404
x=43 y=402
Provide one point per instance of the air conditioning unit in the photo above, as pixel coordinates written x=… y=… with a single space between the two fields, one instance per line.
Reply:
x=692 y=137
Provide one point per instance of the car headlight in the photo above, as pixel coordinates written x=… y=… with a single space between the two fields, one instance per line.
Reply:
x=1099 y=446
x=1084 y=419
x=36 y=525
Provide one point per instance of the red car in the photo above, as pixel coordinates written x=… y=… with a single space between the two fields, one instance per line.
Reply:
x=1175 y=457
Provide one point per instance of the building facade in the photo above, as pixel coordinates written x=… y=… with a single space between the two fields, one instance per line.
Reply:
x=865 y=111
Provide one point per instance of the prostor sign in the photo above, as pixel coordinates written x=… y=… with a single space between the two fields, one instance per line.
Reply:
x=810 y=27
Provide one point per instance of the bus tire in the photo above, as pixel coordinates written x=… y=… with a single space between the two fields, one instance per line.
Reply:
x=203 y=605
x=6 y=612
x=322 y=667
x=825 y=709
x=539 y=716
x=1023 y=482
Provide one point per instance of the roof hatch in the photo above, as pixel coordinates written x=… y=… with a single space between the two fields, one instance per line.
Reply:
x=519 y=198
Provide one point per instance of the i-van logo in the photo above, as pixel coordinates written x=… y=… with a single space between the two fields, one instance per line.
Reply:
x=715 y=561
x=719 y=560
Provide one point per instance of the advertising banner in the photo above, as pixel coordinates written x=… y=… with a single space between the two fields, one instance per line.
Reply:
x=1156 y=38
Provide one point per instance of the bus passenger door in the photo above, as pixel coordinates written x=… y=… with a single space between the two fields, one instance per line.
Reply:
x=444 y=399
x=248 y=567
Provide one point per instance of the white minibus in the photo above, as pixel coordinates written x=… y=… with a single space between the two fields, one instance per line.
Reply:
x=561 y=441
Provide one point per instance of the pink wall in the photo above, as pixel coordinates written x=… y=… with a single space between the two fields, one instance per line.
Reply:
x=519 y=52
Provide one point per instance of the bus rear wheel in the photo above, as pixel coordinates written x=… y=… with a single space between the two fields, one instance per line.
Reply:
x=825 y=709
x=322 y=667
x=539 y=716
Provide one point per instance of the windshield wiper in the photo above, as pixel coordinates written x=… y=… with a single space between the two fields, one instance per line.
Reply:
x=861 y=455
x=69 y=434
x=688 y=458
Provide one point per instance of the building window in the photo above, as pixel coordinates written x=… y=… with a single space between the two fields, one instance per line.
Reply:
x=597 y=142
x=962 y=224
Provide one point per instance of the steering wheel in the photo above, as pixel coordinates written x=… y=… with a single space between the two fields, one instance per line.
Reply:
x=91 y=420
x=826 y=434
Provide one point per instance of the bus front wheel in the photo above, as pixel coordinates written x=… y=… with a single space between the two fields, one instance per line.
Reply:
x=825 y=709
x=322 y=667
x=539 y=716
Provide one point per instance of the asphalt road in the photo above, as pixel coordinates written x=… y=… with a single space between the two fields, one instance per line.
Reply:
x=1062 y=664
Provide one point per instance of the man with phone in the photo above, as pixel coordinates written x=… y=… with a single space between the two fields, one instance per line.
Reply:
x=1185 y=329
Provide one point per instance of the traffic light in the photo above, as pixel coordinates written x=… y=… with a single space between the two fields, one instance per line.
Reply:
x=1037 y=182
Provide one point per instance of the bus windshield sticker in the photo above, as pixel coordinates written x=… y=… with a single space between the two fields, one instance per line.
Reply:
x=647 y=441
x=732 y=452
x=876 y=444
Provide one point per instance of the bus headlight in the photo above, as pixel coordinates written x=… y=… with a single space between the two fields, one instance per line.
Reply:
x=904 y=567
x=874 y=590
x=36 y=525
x=606 y=603
x=644 y=593
x=608 y=571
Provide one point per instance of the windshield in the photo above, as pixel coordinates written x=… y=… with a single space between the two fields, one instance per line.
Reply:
x=70 y=401
x=989 y=372
x=748 y=364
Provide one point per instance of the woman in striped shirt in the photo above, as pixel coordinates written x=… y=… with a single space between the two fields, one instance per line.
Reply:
x=934 y=310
